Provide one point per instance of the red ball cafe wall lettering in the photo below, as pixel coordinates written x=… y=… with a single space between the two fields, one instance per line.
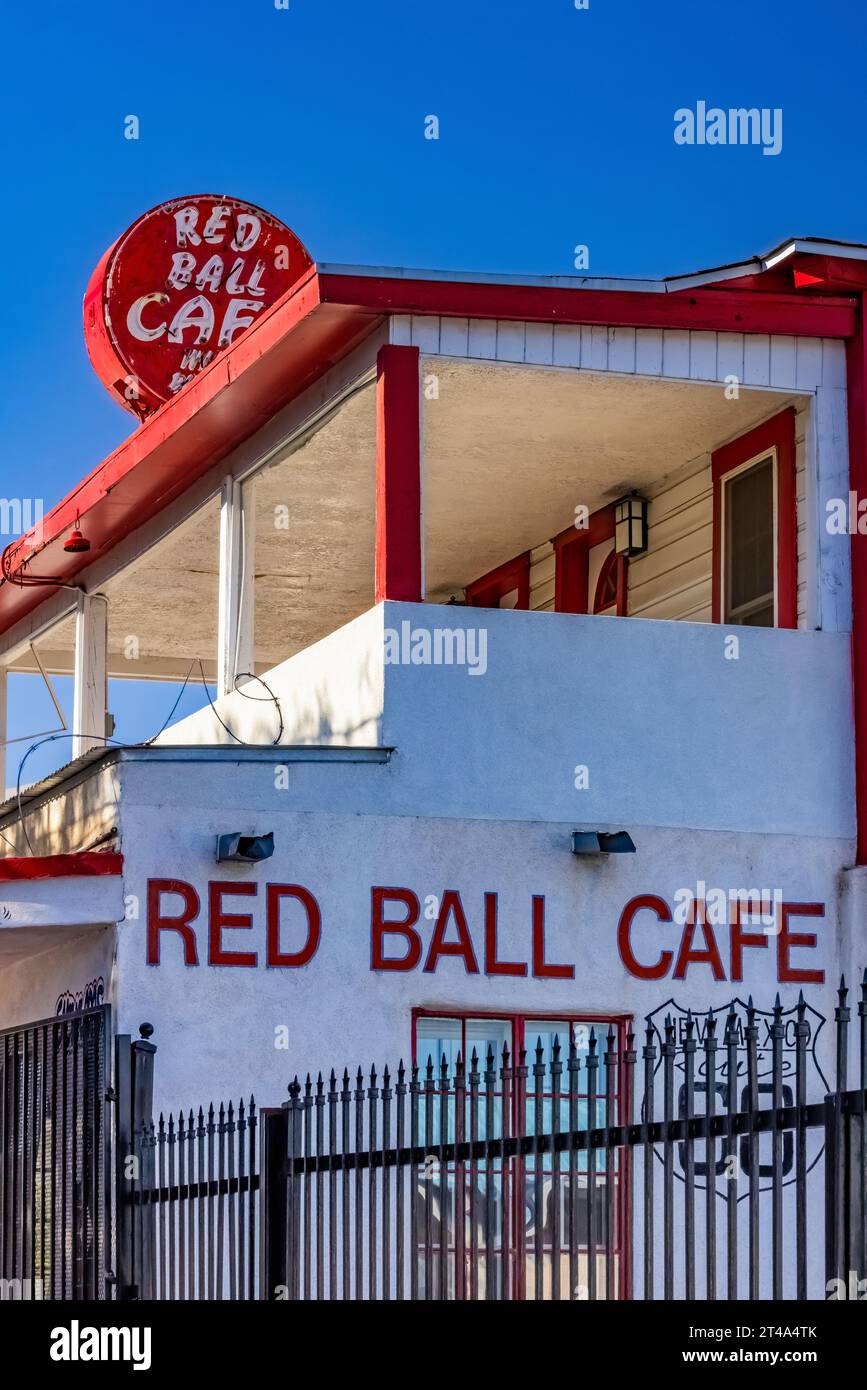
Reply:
x=397 y=945
x=708 y=954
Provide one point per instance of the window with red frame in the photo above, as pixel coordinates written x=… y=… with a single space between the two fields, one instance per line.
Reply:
x=755 y=527
x=514 y=1104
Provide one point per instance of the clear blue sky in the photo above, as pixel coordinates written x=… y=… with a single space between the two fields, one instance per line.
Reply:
x=556 y=128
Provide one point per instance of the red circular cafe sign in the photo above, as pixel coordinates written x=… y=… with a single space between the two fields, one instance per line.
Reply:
x=179 y=286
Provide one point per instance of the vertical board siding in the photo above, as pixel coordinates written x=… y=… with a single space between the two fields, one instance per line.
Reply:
x=780 y=362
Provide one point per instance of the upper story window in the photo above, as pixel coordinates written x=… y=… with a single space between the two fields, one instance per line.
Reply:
x=749 y=546
x=755 y=527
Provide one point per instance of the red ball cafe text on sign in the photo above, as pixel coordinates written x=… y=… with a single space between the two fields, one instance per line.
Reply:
x=181 y=284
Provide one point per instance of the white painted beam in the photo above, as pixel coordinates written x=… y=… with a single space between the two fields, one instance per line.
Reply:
x=90 y=689
x=235 y=613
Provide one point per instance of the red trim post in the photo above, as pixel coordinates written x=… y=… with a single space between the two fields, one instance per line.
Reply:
x=856 y=382
x=398 y=475
x=572 y=561
x=777 y=433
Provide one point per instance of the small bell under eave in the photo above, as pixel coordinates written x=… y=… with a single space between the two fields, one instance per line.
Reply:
x=76 y=542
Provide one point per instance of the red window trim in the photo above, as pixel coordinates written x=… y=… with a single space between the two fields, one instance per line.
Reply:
x=572 y=565
x=777 y=433
x=623 y=1023
x=518 y=1020
x=514 y=574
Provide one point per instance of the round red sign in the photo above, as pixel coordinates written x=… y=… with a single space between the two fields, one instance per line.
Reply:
x=181 y=284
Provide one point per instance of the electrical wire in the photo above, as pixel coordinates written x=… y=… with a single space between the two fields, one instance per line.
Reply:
x=148 y=742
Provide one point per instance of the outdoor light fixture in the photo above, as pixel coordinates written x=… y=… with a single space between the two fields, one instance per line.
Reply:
x=246 y=849
x=602 y=842
x=630 y=525
x=76 y=542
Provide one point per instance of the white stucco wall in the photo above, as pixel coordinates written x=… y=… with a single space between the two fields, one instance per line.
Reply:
x=215 y=1024
x=53 y=965
x=671 y=729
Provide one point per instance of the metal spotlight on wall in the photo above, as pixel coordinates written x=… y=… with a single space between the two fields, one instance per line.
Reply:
x=602 y=842
x=630 y=525
x=246 y=849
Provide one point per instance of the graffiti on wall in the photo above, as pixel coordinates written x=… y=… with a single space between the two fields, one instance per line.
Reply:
x=91 y=997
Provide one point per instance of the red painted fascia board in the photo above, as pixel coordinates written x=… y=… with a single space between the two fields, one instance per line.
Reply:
x=301 y=336
x=718 y=309
x=86 y=864
x=295 y=342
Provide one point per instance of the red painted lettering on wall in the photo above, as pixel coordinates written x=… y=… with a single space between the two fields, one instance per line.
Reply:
x=158 y=922
x=380 y=929
x=218 y=920
x=291 y=959
x=494 y=966
x=624 y=937
x=709 y=956
x=451 y=906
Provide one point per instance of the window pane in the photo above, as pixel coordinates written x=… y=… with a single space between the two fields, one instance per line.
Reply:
x=483 y=1033
x=750 y=549
x=437 y=1038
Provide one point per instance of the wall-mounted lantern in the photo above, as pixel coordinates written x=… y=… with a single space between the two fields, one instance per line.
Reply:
x=630 y=525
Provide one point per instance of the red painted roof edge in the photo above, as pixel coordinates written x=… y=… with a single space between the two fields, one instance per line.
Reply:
x=89 y=863
x=205 y=420
x=279 y=319
x=716 y=308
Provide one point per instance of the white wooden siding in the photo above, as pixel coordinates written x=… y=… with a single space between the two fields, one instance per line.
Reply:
x=674 y=579
x=542 y=578
x=779 y=361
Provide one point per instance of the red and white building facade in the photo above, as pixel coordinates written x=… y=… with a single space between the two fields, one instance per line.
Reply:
x=381 y=523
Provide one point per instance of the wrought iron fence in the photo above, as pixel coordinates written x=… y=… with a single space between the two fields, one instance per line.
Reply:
x=517 y=1178
x=55 y=1189
x=198 y=1210
x=188 y=1190
x=701 y=1169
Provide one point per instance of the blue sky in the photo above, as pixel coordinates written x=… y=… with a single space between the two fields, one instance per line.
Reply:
x=556 y=128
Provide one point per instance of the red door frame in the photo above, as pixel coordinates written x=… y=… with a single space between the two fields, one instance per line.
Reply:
x=572 y=564
x=487 y=591
x=622 y=1023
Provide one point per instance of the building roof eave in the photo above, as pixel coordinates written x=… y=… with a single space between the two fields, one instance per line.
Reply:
x=320 y=320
